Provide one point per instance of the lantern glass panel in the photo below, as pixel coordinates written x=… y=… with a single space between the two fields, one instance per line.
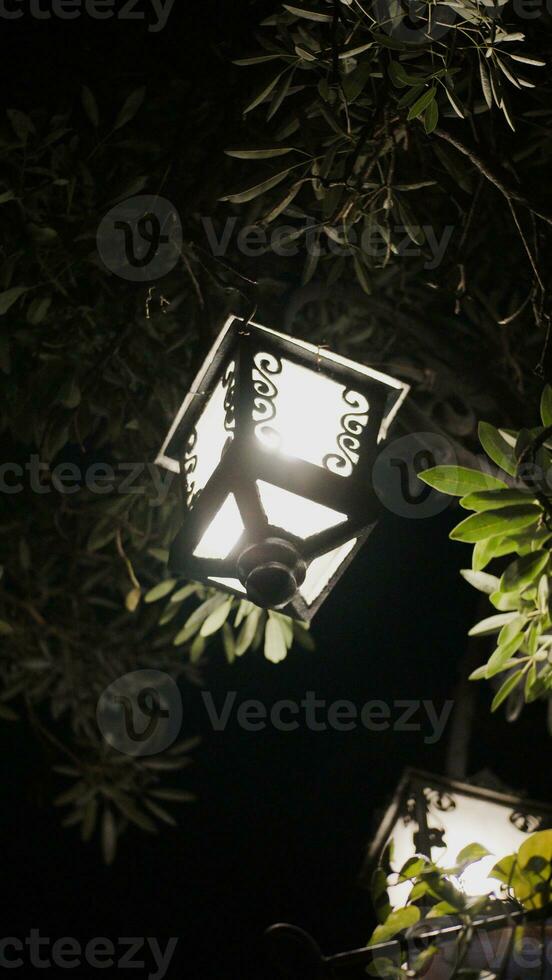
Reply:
x=228 y=583
x=471 y=821
x=213 y=429
x=322 y=570
x=296 y=515
x=222 y=533
x=306 y=415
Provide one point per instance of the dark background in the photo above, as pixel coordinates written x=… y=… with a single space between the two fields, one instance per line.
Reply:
x=282 y=820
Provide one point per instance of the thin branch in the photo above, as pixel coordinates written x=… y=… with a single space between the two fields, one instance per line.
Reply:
x=499 y=181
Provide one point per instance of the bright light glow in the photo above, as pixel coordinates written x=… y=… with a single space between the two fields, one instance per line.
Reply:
x=322 y=569
x=211 y=437
x=305 y=414
x=223 y=531
x=398 y=390
x=197 y=386
x=230 y=583
x=297 y=515
x=473 y=821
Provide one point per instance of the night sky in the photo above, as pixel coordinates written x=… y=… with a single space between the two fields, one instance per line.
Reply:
x=282 y=819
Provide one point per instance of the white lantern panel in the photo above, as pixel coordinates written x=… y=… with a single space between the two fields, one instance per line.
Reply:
x=296 y=515
x=472 y=821
x=397 y=390
x=229 y=583
x=223 y=532
x=212 y=431
x=305 y=415
x=322 y=569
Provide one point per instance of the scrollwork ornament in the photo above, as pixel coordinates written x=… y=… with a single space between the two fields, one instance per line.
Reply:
x=189 y=464
x=352 y=426
x=266 y=391
x=528 y=823
x=229 y=384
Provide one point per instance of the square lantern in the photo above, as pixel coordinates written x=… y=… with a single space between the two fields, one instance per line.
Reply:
x=276 y=440
x=437 y=817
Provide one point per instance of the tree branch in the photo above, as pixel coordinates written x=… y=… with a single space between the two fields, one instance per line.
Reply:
x=510 y=193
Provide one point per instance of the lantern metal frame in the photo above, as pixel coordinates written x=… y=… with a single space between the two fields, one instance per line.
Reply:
x=421 y=793
x=246 y=460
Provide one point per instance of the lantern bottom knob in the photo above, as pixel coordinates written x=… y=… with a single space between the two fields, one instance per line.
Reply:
x=272 y=572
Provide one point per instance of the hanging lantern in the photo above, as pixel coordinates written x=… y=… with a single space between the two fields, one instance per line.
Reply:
x=438 y=817
x=276 y=440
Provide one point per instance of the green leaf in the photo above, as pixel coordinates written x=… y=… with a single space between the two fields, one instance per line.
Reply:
x=38 y=309
x=399 y=920
x=198 y=617
x=22 y=124
x=248 y=631
x=130 y=107
x=184 y=592
x=109 y=836
x=493 y=522
x=90 y=106
x=309 y=14
x=509 y=685
x=10 y=296
x=409 y=97
x=481 y=580
x=263 y=94
x=431 y=117
x=497 y=448
x=546 y=405
x=379 y=894
x=421 y=104
x=69 y=394
x=471 y=853
x=218 y=617
x=252 y=192
x=275 y=647
x=412 y=867
x=261 y=154
x=504 y=870
x=485 y=83
x=494 y=499
x=132 y=599
x=160 y=591
x=492 y=624
x=506 y=601
x=502 y=655
x=523 y=571
x=5 y=628
x=459 y=480
x=257 y=59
